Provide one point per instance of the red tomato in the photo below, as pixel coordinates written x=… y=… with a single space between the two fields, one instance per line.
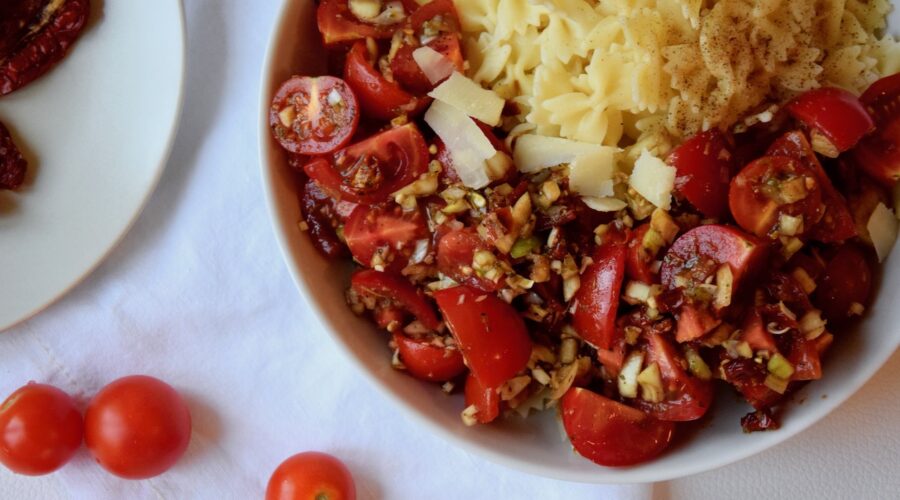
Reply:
x=610 y=433
x=380 y=98
x=639 y=260
x=137 y=427
x=836 y=224
x=397 y=291
x=704 y=165
x=879 y=153
x=369 y=171
x=694 y=322
x=597 y=300
x=835 y=113
x=321 y=216
x=311 y=476
x=485 y=399
x=805 y=358
x=390 y=233
x=847 y=280
x=686 y=397
x=40 y=429
x=773 y=186
x=455 y=252
x=407 y=71
x=427 y=361
x=748 y=377
x=613 y=359
x=754 y=332
x=313 y=115
x=698 y=253
x=490 y=333
x=337 y=24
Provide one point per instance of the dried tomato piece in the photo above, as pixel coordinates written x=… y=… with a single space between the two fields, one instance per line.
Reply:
x=760 y=420
x=12 y=165
x=34 y=36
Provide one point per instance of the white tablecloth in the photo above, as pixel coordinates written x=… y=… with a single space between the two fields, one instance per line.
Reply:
x=197 y=295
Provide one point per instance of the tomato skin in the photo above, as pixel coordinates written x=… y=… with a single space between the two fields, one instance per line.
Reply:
x=311 y=476
x=428 y=362
x=704 y=165
x=847 y=279
x=368 y=171
x=40 y=429
x=399 y=291
x=491 y=333
x=380 y=98
x=337 y=24
x=687 y=397
x=137 y=427
x=456 y=250
x=323 y=127
x=598 y=297
x=389 y=230
x=753 y=192
x=639 y=261
x=836 y=113
x=879 y=153
x=485 y=399
x=610 y=433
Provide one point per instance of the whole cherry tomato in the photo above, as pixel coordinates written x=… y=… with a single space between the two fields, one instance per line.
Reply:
x=311 y=476
x=40 y=429
x=137 y=427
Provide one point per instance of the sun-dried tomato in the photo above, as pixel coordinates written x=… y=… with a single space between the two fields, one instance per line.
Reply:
x=12 y=165
x=760 y=420
x=34 y=36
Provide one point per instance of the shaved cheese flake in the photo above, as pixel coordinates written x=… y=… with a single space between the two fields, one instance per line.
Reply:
x=882 y=227
x=653 y=179
x=591 y=173
x=471 y=98
x=606 y=204
x=435 y=66
x=468 y=146
x=537 y=152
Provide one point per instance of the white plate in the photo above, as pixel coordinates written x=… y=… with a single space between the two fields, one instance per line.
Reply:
x=536 y=445
x=97 y=131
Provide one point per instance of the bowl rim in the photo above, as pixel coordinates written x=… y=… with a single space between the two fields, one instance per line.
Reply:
x=606 y=475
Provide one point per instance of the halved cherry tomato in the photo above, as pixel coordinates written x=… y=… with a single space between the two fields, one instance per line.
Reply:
x=639 y=260
x=337 y=24
x=834 y=113
x=491 y=333
x=836 y=224
x=694 y=322
x=313 y=114
x=427 y=361
x=321 y=220
x=434 y=17
x=380 y=98
x=686 y=397
x=846 y=282
x=698 y=253
x=40 y=429
x=398 y=291
x=311 y=476
x=597 y=300
x=407 y=71
x=879 y=153
x=370 y=170
x=455 y=252
x=610 y=433
x=773 y=186
x=390 y=234
x=485 y=399
x=704 y=165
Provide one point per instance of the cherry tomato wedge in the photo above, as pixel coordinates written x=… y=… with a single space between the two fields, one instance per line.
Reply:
x=836 y=224
x=845 y=284
x=313 y=114
x=879 y=153
x=772 y=190
x=491 y=333
x=456 y=251
x=836 y=114
x=754 y=332
x=694 y=322
x=407 y=71
x=370 y=170
x=311 y=476
x=380 y=98
x=384 y=237
x=40 y=429
x=704 y=165
x=597 y=300
x=485 y=399
x=686 y=397
x=610 y=433
x=639 y=262
x=398 y=291
x=338 y=24
x=427 y=361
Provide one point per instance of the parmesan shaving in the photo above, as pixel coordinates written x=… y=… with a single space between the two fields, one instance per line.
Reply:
x=882 y=227
x=468 y=146
x=472 y=99
x=435 y=66
x=607 y=204
x=654 y=180
x=591 y=173
x=533 y=152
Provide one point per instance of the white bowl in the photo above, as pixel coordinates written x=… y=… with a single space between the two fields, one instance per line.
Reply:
x=535 y=445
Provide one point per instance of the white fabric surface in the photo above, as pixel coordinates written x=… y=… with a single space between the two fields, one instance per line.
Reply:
x=197 y=295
